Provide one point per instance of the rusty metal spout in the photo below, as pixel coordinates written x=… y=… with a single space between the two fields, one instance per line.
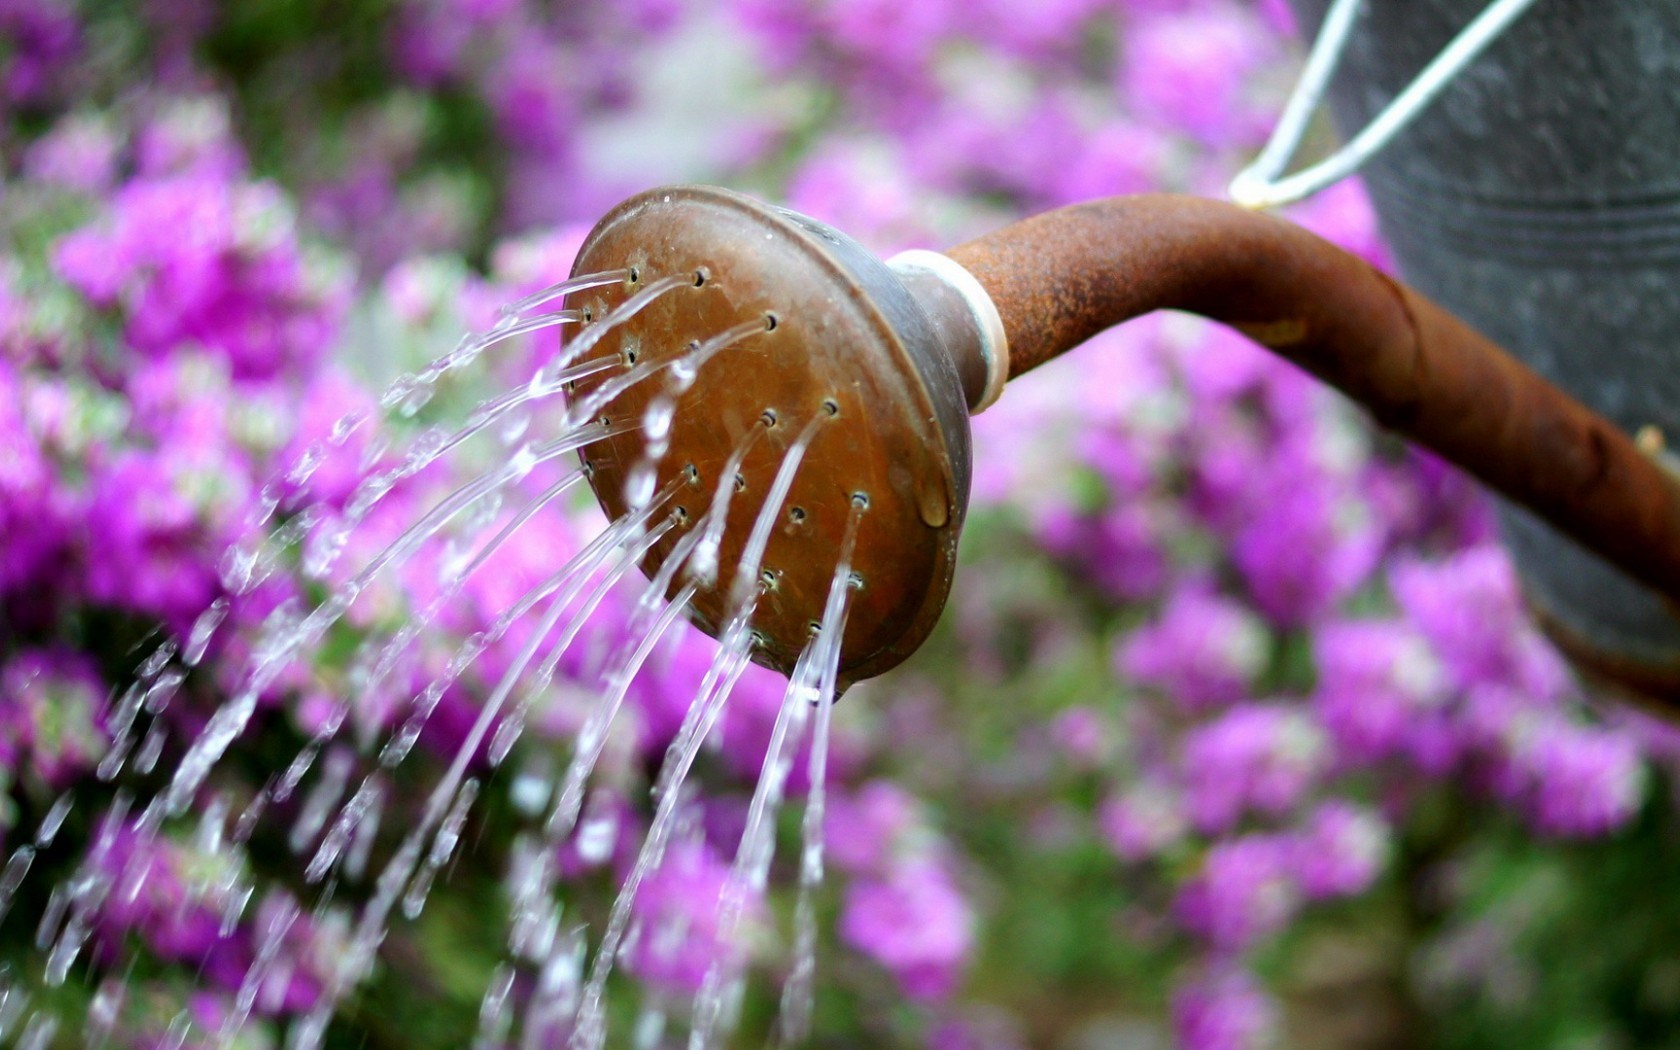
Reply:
x=1059 y=278
x=894 y=354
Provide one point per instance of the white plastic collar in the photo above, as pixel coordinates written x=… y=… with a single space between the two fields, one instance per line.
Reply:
x=994 y=343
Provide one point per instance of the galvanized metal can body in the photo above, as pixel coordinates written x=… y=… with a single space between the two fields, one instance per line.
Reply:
x=1539 y=199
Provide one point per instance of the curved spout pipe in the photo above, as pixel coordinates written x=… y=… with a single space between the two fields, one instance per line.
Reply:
x=1059 y=278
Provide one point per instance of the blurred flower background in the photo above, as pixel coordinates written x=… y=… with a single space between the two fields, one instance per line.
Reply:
x=1234 y=734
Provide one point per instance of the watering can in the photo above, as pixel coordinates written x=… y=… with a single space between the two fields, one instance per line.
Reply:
x=1537 y=196
x=1518 y=176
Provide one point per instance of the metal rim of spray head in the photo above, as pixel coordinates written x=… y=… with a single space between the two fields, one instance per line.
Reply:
x=847 y=352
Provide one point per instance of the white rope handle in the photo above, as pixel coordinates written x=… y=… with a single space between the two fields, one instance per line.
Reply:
x=1263 y=183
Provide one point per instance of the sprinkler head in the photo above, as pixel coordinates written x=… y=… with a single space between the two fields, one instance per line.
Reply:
x=844 y=341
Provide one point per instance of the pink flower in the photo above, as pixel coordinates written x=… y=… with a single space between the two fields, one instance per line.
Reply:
x=863 y=828
x=914 y=923
x=1143 y=822
x=1246 y=890
x=681 y=931
x=1223 y=1008
x=1203 y=652
x=1189 y=70
x=197 y=261
x=1255 y=757
x=1341 y=850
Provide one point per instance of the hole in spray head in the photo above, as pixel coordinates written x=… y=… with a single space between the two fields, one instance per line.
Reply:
x=635 y=275
x=854 y=580
x=681 y=514
x=813 y=628
x=701 y=276
x=796 y=515
x=769 y=418
x=860 y=500
x=768 y=578
x=831 y=406
x=740 y=483
x=692 y=473
x=771 y=321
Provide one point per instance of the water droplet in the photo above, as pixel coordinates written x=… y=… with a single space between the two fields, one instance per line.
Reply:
x=934 y=507
x=151 y=749
x=656 y=421
x=323 y=548
x=683 y=372
x=399 y=390
x=521 y=462
x=239 y=568
x=347 y=424
x=514 y=424
x=425 y=450
x=596 y=838
x=203 y=629
x=306 y=464
x=639 y=485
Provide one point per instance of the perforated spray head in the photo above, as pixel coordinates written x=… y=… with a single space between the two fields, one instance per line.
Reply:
x=791 y=386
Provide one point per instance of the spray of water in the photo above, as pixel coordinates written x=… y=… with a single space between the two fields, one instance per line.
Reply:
x=342 y=799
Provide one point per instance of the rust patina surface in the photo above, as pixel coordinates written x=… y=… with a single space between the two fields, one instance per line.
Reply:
x=1063 y=276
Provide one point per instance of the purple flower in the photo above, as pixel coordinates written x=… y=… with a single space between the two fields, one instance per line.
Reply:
x=1246 y=889
x=1468 y=607
x=38 y=38
x=1122 y=550
x=914 y=923
x=1223 y=1008
x=1082 y=735
x=1256 y=757
x=534 y=109
x=191 y=136
x=1188 y=71
x=1341 y=850
x=1120 y=157
x=1587 y=781
x=195 y=260
x=158 y=523
x=172 y=898
x=1377 y=682
x=862 y=194
x=337 y=470
x=1304 y=550
x=1046 y=30
x=1203 y=652
x=52 y=707
x=1143 y=822
x=78 y=154
x=863 y=828
x=31 y=503
x=680 y=933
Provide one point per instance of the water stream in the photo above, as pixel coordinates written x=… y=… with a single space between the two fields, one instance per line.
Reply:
x=335 y=794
